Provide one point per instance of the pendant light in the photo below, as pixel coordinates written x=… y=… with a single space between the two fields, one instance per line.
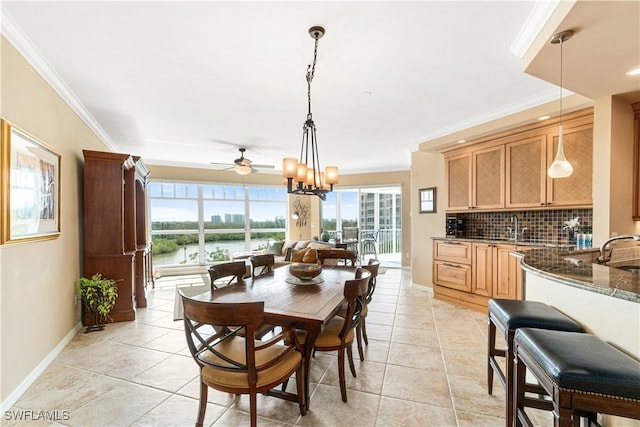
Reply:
x=560 y=168
x=309 y=178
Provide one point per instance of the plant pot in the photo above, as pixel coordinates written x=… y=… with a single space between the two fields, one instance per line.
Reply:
x=92 y=320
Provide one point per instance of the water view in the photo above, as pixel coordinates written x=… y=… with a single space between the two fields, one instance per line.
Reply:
x=188 y=254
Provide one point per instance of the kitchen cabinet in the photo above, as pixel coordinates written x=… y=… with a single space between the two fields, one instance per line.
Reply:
x=487 y=184
x=578 y=149
x=458 y=177
x=492 y=271
x=509 y=170
x=526 y=163
x=475 y=180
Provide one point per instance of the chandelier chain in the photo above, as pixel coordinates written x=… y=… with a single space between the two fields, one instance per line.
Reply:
x=311 y=69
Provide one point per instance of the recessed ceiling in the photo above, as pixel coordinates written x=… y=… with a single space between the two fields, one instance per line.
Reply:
x=190 y=82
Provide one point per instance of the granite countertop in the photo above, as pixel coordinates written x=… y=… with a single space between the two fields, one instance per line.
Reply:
x=504 y=242
x=579 y=268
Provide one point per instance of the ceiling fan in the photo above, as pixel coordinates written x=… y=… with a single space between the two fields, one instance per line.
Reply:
x=242 y=165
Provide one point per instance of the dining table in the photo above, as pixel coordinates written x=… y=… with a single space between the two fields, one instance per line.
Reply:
x=308 y=304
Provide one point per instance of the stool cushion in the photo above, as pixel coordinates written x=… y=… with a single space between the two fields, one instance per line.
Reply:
x=581 y=362
x=514 y=314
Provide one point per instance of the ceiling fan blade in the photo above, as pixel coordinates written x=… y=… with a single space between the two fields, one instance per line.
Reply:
x=263 y=166
x=222 y=164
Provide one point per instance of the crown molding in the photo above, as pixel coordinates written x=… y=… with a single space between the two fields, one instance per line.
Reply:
x=539 y=15
x=12 y=32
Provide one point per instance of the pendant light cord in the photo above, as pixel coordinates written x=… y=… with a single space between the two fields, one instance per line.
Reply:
x=561 y=43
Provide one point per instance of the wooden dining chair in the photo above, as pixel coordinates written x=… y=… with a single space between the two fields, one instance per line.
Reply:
x=339 y=333
x=373 y=266
x=231 y=273
x=230 y=363
x=227 y=273
x=336 y=255
x=262 y=264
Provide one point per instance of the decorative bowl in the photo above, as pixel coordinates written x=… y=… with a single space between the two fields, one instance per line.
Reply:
x=305 y=271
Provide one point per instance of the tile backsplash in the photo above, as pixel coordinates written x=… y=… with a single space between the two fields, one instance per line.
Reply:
x=542 y=226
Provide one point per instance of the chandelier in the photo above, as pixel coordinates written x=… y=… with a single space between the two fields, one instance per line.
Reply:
x=306 y=171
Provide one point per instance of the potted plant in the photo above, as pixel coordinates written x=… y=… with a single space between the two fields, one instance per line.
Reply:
x=98 y=296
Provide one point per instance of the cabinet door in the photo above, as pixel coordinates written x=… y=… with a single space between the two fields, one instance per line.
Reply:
x=505 y=266
x=578 y=149
x=482 y=269
x=458 y=176
x=488 y=178
x=447 y=250
x=526 y=172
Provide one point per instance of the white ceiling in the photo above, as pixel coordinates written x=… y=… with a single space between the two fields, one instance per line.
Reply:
x=190 y=82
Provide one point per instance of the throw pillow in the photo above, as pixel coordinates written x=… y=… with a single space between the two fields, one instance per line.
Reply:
x=274 y=247
x=310 y=257
x=302 y=244
x=298 y=255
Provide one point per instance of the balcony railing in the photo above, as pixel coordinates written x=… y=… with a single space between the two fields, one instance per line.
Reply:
x=389 y=239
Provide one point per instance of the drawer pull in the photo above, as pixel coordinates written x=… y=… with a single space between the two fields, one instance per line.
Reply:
x=446 y=264
x=446 y=242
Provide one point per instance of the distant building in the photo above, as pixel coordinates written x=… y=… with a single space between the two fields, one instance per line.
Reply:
x=234 y=218
x=216 y=219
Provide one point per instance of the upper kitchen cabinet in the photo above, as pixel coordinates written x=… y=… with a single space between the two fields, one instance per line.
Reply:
x=475 y=180
x=488 y=178
x=526 y=172
x=574 y=190
x=509 y=170
x=458 y=176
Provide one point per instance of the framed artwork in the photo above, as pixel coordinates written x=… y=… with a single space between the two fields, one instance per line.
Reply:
x=427 y=200
x=30 y=182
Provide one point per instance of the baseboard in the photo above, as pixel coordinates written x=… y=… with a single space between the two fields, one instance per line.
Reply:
x=13 y=397
x=425 y=288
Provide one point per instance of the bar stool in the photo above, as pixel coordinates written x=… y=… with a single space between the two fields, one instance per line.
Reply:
x=581 y=374
x=507 y=316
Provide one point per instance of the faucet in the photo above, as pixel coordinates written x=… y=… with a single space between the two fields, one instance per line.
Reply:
x=603 y=259
x=514 y=218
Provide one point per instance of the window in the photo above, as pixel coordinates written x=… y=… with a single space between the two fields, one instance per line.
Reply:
x=369 y=209
x=197 y=224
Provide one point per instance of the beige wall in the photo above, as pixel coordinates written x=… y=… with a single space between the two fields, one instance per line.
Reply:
x=612 y=169
x=38 y=279
x=427 y=170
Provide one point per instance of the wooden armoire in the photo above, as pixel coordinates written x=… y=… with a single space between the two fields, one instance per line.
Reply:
x=116 y=240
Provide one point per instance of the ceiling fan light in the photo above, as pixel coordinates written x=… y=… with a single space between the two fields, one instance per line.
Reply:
x=242 y=169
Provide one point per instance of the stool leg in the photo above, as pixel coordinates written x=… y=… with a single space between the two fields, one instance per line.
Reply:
x=509 y=377
x=518 y=380
x=490 y=353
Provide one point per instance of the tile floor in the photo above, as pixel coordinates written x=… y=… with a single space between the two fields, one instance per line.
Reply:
x=424 y=366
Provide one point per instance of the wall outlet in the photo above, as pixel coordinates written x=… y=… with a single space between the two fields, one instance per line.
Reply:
x=75 y=299
x=614 y=234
